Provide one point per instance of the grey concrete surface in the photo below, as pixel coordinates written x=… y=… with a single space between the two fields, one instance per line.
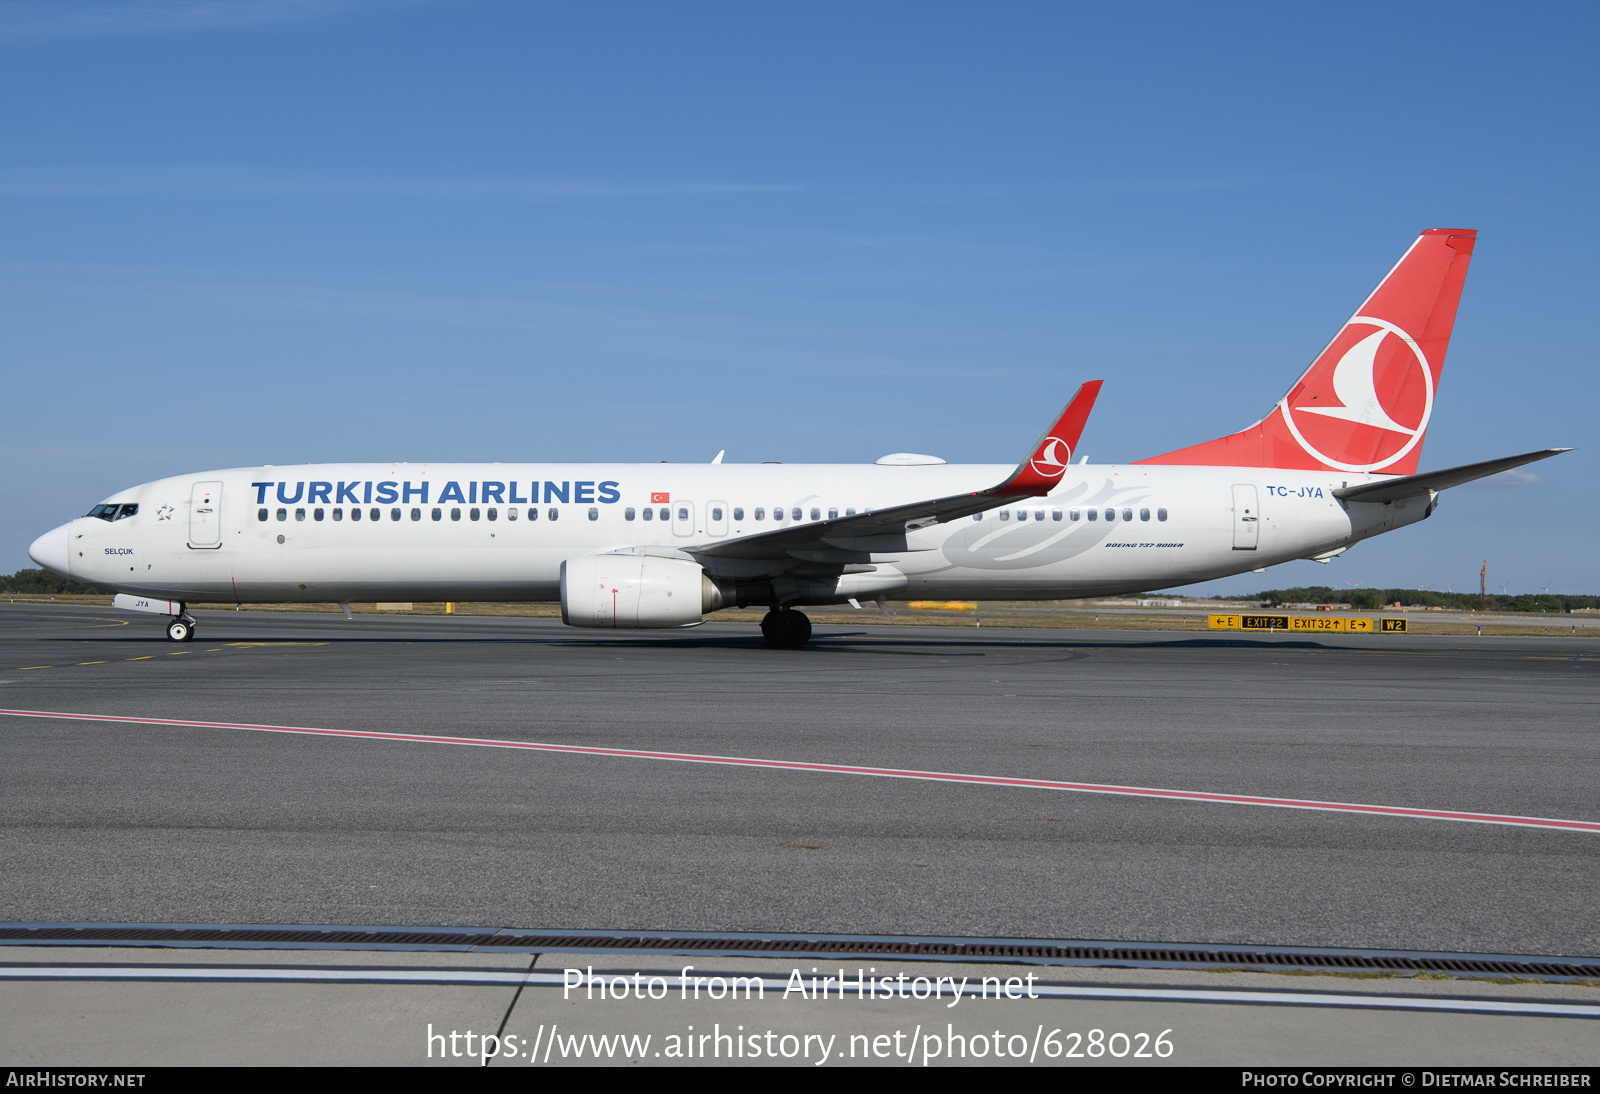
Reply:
x=144 y=1023
x=153 y=1024
x=148 y=823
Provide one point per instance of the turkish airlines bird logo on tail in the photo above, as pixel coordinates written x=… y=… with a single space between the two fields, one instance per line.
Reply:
x=1366 y=401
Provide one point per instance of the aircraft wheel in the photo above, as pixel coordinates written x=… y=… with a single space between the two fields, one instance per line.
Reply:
x=180 y=630
x=766 y=625
x=790 y=630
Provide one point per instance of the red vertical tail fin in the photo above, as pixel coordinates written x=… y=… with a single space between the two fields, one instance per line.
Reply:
x=1364 y=404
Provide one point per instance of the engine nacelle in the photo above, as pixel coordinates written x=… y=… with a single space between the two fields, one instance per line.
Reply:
x=635 y=591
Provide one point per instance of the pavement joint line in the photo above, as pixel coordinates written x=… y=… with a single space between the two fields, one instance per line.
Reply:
x=175 y=653
x=536 y=978
x=1146 y=792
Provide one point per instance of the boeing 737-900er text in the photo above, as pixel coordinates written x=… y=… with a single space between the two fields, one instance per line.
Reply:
x=661 y=545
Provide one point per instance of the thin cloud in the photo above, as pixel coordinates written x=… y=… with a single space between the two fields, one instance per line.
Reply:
x=1196 y=184
x=202 y=180
x=57 y=20
x=1515 y=477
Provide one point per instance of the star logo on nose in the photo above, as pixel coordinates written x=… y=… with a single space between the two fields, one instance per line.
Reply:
x=165 y=512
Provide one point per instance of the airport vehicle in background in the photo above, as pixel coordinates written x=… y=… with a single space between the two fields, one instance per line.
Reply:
x=662 y=545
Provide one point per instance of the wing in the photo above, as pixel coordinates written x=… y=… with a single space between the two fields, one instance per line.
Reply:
x=845 y=539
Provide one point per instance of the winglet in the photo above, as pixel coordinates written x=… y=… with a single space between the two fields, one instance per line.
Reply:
x=1047 y=462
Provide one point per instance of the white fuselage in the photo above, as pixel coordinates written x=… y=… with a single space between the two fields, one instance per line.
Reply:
x=433 y=532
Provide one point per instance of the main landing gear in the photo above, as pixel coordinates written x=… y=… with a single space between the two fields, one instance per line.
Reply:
x=180 y=629
x=787 y=629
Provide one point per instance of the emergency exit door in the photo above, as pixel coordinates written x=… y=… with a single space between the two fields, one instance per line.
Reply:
x=1246 y=517
x=205 y=515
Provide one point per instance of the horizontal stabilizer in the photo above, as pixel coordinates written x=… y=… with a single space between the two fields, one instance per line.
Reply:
x=1411 y=485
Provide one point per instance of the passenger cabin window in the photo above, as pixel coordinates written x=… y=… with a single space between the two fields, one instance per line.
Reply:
x=1094 y=514
x=594 y=514
x=629 y=514
x=1111 y=514
x=416 y=514
x=511 y=514
x=1022 y=514
x=437 y=514
x=797 y=513
x=777 y=513
x=1127 y=514
x=683 y=513
x=1144 y=514
x=455 y=514
x=533 y=514
x=299 y=514
x=833 y=514
x=355 y=514
x=338 y=514
x=738 y=514
x=261 y=514
x=1073 y=514
x=376 y=513
x=649 y=514
x=1161 y=514
x=493 y=514
x=283 y=514
x=1055 y=514
x=1005 y=514
x=316 y=514
x=761 y=514
x=553 y=513
x=816 y=514
x=394 y=514
x=474 y=514
x=716 y=514
x=1038 y=514
x=977 y=516
x=849 y=512
x=666 y=514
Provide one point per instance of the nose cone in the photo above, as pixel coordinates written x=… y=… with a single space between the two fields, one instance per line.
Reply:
x=51 y=551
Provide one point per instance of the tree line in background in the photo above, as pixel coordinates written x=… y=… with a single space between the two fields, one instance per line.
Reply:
x=41 y=581
x=45 y=582
x=1424 y=598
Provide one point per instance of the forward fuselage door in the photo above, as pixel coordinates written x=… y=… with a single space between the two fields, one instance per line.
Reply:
x=1246 y=517
x=205 y=515
x=683 y=518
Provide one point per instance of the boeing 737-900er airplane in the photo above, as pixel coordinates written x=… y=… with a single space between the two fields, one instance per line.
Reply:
x=661 y=545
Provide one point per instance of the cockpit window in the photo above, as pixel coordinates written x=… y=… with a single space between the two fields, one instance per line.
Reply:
x=104 y=512
x=128 y=510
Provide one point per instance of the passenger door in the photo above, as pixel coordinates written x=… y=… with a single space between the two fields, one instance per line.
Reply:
x=205 y=515
x=1246 y=517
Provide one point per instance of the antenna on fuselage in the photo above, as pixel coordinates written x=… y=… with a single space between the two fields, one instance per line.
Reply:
x=719 y=455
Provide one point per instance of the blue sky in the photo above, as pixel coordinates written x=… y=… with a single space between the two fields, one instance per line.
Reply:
x=276 y=231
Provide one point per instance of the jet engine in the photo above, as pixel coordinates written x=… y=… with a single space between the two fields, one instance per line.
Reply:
x=635 y=591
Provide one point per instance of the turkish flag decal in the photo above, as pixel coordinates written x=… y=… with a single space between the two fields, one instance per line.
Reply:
x=661 y=499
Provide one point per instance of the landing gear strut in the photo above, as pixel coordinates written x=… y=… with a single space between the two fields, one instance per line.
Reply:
x=180 y=629
x=786 y=629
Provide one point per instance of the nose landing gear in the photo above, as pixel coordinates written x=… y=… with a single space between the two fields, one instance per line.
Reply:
x=786 y=629
x=181 y=629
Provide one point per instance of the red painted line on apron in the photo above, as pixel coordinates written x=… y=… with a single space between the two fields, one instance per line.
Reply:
x=849 y=769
